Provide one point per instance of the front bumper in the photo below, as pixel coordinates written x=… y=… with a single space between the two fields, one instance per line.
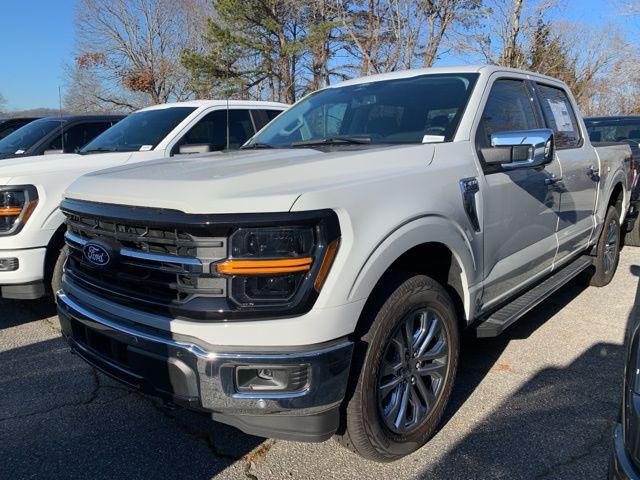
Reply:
x=26 y=282
x=202 y=377
x=621 y=467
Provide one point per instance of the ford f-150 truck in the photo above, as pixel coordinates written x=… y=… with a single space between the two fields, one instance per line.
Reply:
x=31 y=223
x=316 y=283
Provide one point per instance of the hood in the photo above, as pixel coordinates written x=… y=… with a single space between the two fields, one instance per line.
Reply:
x=40 y=164
x=245 y=181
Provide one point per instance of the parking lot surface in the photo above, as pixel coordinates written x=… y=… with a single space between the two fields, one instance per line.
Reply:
x=539 y=402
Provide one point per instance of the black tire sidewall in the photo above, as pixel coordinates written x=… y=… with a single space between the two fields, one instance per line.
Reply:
x=56 y=273
x=416 y=292
x=601 y=278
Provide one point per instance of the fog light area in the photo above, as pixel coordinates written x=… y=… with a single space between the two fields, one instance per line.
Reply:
x=272 y=378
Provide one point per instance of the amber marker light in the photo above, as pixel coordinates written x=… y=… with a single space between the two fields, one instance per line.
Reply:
x=332 y=249
x=10 y=211
x=263 y=267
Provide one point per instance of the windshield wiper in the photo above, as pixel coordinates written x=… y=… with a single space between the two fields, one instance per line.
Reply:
x=256 y=146
x=98 y=150
x=333 y=141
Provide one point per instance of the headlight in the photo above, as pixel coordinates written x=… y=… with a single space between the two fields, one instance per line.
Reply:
x=17 y=203
x=280 y=266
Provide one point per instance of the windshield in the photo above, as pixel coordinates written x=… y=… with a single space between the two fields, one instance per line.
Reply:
x=26 y=137
x=139 y=131
x=420 y=109
x=615 y=130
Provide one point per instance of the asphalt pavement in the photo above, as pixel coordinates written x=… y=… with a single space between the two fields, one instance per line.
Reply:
x=539 y=402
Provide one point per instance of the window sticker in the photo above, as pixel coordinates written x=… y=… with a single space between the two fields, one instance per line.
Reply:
x=18 y=152
x=146 y=148
x=561 y=115
x=433 y=139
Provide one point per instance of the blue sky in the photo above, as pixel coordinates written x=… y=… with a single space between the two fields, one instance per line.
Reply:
x=36 y=39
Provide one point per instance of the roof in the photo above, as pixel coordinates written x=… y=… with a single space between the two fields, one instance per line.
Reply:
x=219 y=103
x=485 y=69
x=612 y=117
x=75 y=118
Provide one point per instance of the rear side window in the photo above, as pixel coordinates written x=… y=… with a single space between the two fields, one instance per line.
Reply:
x=508 y=108
x=78 y=136
x=212 y=130
x=560 y=116
x=271 y=114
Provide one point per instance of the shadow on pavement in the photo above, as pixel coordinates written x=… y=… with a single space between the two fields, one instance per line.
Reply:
x=559 y=424
x=14 y=312
x=61 y=419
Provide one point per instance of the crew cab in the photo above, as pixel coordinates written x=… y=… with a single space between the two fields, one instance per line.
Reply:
x=55 y=135
x=316 y=282
x=31 y=223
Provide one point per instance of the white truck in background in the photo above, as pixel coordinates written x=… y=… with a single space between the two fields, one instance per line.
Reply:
x=317 y=281
x=31 y=223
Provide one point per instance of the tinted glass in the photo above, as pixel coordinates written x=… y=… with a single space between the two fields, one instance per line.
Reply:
x=388 y=111
x=78 y=136
x=6 y=130
x=508 y=108
x=615 y=130
x=212 y=130
x=26 y=137
x=559 y=115
x=139 y=131
x=271 y=114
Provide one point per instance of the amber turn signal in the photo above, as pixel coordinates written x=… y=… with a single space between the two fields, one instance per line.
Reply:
x=332 y=249
x=10 y=211
x=262 y=267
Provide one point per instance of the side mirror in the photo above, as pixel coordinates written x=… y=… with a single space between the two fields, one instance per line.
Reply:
x=195 y=148
x=520 y=148
x=52 y=152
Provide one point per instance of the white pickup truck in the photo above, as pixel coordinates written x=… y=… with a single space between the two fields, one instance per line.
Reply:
x=31 y=223
x=317 y=282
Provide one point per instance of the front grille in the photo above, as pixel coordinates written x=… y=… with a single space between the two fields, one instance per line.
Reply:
x=156 y=269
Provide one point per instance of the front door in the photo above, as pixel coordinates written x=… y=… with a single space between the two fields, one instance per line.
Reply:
x=520 y=208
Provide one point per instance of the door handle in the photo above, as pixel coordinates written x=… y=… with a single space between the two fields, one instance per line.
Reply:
x=552 y=180
x=593 y=171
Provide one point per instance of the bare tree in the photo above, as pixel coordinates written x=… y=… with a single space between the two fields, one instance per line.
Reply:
x=3 y=103
x=128 y=51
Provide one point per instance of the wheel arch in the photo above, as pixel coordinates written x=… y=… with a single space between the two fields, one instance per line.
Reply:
x=432 y=246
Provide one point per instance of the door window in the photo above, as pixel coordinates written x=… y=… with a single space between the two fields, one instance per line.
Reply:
x=560 y=116
x=78 y=136
x=509 y=107
x=212 y=130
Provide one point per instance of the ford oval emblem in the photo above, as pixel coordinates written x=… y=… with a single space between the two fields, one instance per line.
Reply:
x=96 y=254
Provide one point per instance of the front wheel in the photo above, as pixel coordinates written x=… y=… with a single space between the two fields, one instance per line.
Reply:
x=405 y=364
x=607 y=250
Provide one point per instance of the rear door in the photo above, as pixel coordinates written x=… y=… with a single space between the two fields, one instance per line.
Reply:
x=578 y=163
x=520 y=210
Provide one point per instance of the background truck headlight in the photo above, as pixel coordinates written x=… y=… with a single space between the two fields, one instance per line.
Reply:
x=17 y=203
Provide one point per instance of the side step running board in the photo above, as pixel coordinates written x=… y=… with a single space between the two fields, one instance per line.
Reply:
x=498 y=321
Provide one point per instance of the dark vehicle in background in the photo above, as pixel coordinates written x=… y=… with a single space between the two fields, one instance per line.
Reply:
x=53 y=135
x=603 y=130
x=10 y=125
x=625 y=459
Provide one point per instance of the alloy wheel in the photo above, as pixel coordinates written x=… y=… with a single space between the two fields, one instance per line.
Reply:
x=413 y=371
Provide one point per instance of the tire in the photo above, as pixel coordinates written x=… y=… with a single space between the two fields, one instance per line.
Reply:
x=56 y=272
x=607 y=250
x=370 y=425
x=632 y=237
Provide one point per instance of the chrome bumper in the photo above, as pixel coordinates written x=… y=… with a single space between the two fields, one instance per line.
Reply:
x=204 y=377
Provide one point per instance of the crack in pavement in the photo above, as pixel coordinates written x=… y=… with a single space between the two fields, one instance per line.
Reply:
x=93 y=395
x=589 y=449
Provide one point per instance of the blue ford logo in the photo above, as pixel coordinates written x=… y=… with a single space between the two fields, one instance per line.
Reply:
x=96 y=254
